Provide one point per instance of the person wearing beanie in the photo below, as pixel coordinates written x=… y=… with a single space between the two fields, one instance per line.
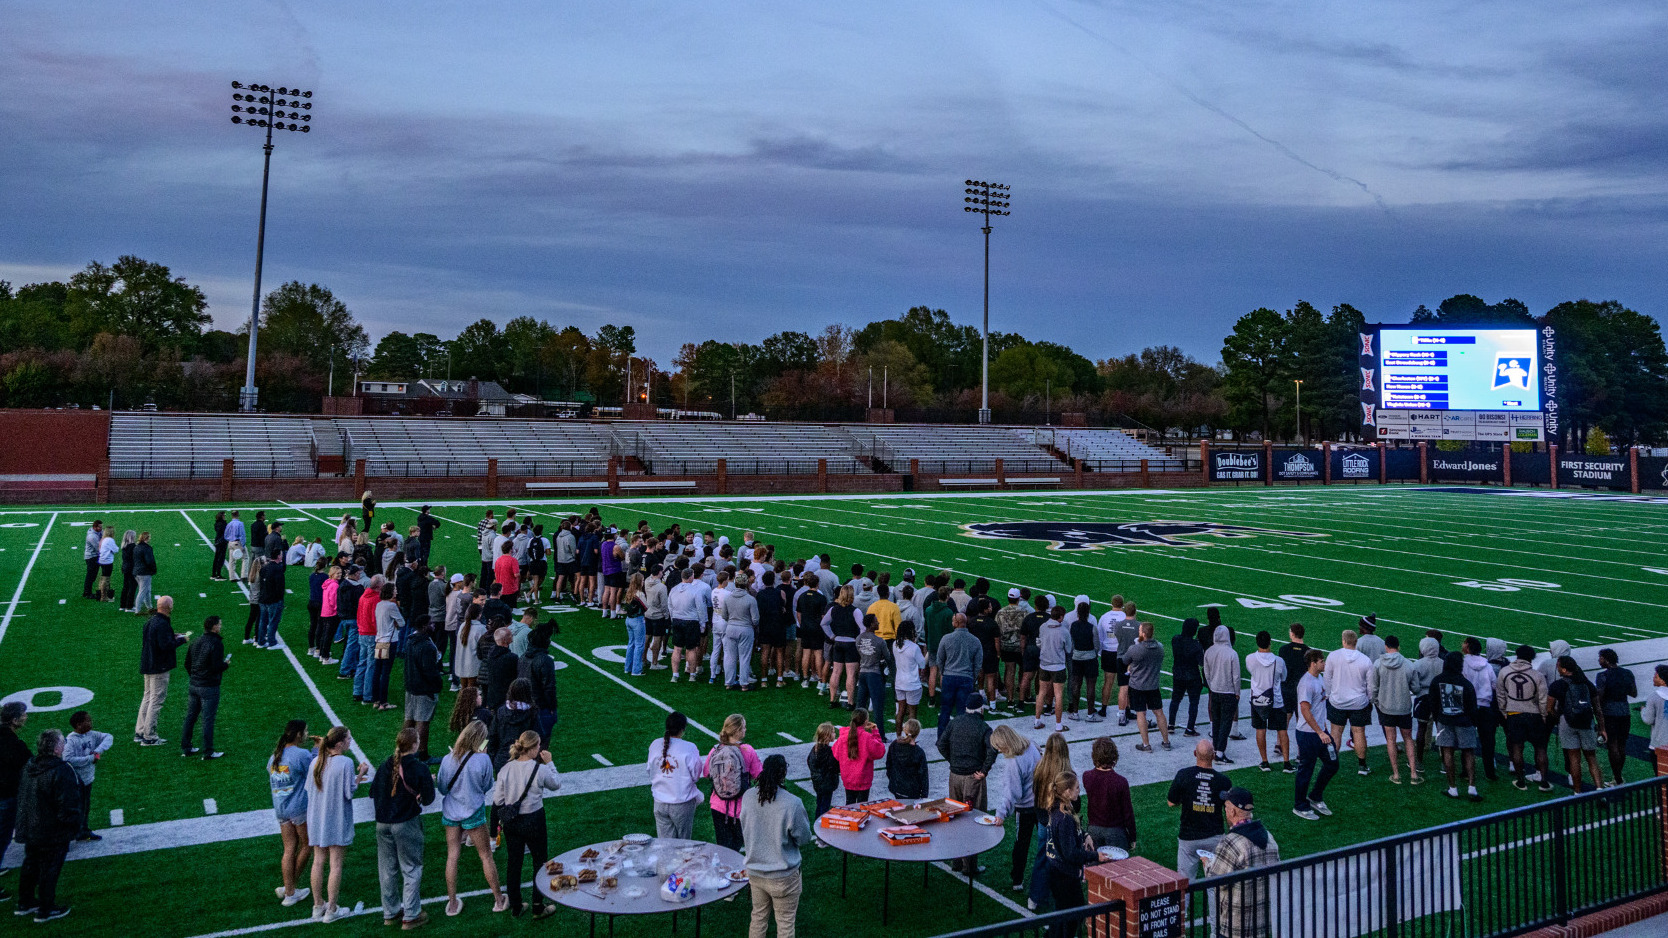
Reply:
x=965 y=745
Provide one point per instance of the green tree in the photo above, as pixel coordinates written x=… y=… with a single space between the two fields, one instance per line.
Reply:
x=521 y=349
x=308 y=322
x=138 y=298
x=397 y=356
x=1612 y=372
x=477 y=352
x=788 y=351
x=1025 y=370
x=1254 y=356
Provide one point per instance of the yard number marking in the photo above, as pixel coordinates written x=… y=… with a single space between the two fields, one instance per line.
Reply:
x=1289 y=601
x=1508 y=585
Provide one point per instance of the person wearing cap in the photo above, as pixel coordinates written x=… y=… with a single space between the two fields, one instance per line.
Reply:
x=1010 y=646
x=965 y=745
x=1242 y=909
x=1369 y=643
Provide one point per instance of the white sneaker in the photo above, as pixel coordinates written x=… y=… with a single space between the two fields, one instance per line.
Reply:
x=301 y=893
x=1038 y=725
x=331 y=914
x=318 y=913
x=1059 y=727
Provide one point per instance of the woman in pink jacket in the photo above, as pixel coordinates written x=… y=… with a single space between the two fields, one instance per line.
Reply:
x=732 y=765
x=856 y=749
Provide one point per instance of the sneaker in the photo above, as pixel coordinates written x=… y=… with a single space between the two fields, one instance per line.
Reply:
x=1037 y=725
x=674 y=677
x=1265 y=767
x=1532 y=777
x=42 y=916
x=1166 y=745
x=423 y=919
x=1291 y=769
x=804 y=683
x=331 y=914
x=1319 y=807
x=89 y=837
x=248 y=641
x=1223 y=760
x=502 y=904
x=1545 y=786
x=1075 y=717
x=1306 y=814
x=1520 y=784
x=318 y=912
x=1190 y=732
x=24 y=910
x=301 y=892
x=1143 y=747
x=1095 y=718
x=191 y=751
x=1236 y=735
x=152 y=741
x=1452 y=793
x=328 y=660
x=1059 y=727
x=833 y=705
x=1017 y=887
x=1473 y=794
x=1363 y=771
x=208 y=756
x=138 y=739
x=1123 y=719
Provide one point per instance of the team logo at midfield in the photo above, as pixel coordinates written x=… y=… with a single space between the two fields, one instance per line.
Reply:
x=1093 y=535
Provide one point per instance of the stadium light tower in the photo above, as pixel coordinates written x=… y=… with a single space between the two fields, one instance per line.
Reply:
x=282 y=108
x=1301 y=439
x=988 y=199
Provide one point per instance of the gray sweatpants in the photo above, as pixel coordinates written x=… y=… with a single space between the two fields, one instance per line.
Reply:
x=675 y=821
x=399 y=867
x=738 y=655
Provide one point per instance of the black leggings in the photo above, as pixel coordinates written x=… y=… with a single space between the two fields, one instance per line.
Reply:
x=726 y=830
x=1027 y=820
x=253 y=620
x=324 y=633
x=525 y=834
x=1615 y=739
x=1190 y=690
x=218 y=569
x=1067 y=891
x=1224 y=709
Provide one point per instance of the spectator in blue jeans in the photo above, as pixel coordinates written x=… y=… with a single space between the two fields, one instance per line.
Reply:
x=955 y=666
x=347 y=608
x=271 y=597
x=14 y=755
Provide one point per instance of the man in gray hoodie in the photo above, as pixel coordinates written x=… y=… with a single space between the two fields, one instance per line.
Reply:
x=1390 y=685
x=1222 y=677
x=1424 y=672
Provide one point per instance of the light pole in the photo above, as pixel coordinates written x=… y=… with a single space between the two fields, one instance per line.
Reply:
x=272 y=109
x=1299 y=383
x=987 y=199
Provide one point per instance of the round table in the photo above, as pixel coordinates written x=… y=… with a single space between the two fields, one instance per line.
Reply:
x=614 y=902
x=960 y=836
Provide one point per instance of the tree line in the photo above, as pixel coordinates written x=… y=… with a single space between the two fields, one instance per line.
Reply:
x=132 y=333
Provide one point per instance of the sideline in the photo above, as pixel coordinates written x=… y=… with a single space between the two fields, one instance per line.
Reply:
x=17 y=594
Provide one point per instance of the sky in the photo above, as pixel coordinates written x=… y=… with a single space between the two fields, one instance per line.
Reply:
x=733 y=169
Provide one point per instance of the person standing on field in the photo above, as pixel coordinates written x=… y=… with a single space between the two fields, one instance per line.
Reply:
x=1315 y=743
x=158 y=657
x=402 y=787
x=1520 y=695
x=1347 y=700
x=1197 y=790
x=1221 y=667
x=1268 y=704
x=48 y=818
x=1390 y=685
x=774 y=827
x=1143 y=662
x=205 y=662
x=89 y=556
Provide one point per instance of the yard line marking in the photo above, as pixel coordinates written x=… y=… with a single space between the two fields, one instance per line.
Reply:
x=62 y=601
x=598 y=756
x=587 y=663
x=202 y=595
x=789 y=737
x=116 y=818
x=17 y=594
x=346 y=913
x=209 y=806
x=988 y=892
x=318 y=695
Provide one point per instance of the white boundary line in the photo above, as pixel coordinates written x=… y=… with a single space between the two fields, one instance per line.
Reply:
x=318 y=695
x=17 y=594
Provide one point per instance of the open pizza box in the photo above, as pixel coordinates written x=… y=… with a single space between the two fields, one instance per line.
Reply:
x=939 y=809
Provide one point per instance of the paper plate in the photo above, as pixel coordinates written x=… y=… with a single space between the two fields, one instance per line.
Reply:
x=637 y=838
x=989 y=820
x=1113 y=853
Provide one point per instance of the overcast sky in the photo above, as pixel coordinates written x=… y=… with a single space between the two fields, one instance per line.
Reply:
x=736 y=168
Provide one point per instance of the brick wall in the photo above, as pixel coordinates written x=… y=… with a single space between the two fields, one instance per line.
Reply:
x=54 y=441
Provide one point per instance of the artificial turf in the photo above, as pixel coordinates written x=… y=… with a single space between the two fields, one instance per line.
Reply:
x=1523 y=568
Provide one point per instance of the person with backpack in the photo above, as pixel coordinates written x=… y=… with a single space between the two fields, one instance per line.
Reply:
x=1083 y=669
x=1520 y=695
x=1454 y=708
x=1573 y=701
x=732 y=765
x=1010 y=647
x=519 y=797
x=1615 y=685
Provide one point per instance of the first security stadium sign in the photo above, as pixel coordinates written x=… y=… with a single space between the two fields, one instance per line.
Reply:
x=1093 y=535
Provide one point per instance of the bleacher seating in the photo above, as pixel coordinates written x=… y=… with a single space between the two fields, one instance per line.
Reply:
x=674 y=448
x=451 y=446
x=1108 y=450
x=144 y=445
x=950 y=449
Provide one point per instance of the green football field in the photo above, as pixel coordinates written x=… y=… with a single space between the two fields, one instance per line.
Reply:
x=191 y=849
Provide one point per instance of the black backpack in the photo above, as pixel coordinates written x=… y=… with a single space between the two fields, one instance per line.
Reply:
x=1578 y=705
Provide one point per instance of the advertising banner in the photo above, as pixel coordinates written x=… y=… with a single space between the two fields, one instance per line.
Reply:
x=1653 y=472
x=1241 y=465
x=1297 y=465
x=1355 y=465
x=1464 y=467
x=1604 y=472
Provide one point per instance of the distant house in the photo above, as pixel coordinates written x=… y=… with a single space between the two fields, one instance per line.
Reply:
x=439 y=395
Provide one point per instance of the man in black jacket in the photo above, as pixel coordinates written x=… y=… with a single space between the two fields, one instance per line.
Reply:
x=408 y=590
x=205 y=661
x=423 y=679
x=400 y=790
x=965 y=745
x=270 y=595
x=48 y=818
x=157 y=660
x=274 y=545
x=14 y=755
x=498 y=669
x=540 y=670
x=426 y=523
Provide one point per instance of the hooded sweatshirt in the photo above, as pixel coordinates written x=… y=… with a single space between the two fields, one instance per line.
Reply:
x=1494 y=649
x=1427 y=669
x=1221 y=664
x=1547 y=664
x=1268 y=677
x=1656 y=717
x=1390 y=684
x=1520 y=689
x=1187 y=655
x=1346 y=679
x=1480 y=673
x=1453 y=697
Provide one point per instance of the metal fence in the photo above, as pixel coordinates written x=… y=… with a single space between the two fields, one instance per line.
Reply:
x=753 y=467
x=1490 y=877
x=471 y=468
x=1134 y=465
x=1104 y=921
x=940 y=467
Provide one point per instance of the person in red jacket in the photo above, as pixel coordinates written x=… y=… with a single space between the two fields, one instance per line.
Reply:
x=856 y=749
x=365 y=627
x=507 y=571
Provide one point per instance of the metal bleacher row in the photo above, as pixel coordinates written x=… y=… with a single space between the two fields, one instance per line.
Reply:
x=149 y=445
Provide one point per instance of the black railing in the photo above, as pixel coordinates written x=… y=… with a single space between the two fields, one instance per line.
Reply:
x=741 y=466
x=985 y=465
x=1106 y=920
x=1134 y=465
x=1489 y=877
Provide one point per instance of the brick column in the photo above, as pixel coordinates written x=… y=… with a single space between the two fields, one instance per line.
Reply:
x=358 y=479
x=1077 y=472
x=1154 y=897
x=1383 y=470
x=1268 y=462
x=1001 y=479
x=101 y=484
x=723 y=477
x=1204 y=461
x=1552 y=462
x=1146 y=478
x=226 y=469
x=1506 y=465
x=613 y=475
x=1326 y=463
x=492 y=478
x=1633 y=468
x=915 y=467
x=1424 y=462
x=822 y=476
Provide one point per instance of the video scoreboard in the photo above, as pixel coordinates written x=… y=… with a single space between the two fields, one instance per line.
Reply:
x=1444 y=383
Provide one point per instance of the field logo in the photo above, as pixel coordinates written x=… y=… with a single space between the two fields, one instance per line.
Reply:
x=1356 y=466
x=1093 y=535
x=1511 y=371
